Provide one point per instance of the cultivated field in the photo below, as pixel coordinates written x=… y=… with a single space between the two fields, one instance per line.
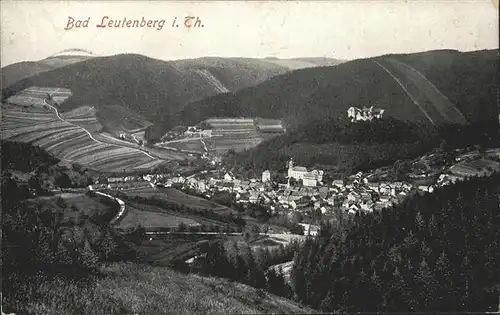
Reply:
x=478 y=167
x=32 y=116
x=162 y=154
x=275 y=240
x=235 y=133
x=166 y=249
x=35 y=95
x=177 y=196
x=151 y=217
x=231 y=133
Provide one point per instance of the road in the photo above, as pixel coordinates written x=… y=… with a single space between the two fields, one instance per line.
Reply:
x=120 y=213
x=88 y=133
x=193 y=233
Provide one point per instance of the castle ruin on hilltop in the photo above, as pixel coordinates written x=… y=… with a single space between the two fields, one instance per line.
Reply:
x=364 y=114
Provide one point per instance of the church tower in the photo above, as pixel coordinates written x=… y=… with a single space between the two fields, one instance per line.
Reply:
x=290 y=167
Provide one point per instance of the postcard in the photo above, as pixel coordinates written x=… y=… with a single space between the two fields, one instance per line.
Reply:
x=194 y=157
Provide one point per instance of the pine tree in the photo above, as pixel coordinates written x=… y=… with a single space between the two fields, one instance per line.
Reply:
x=425 y=285
x=445 y=290
x=87 y=257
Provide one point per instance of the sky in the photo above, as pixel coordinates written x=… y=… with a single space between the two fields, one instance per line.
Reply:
x=33 y=30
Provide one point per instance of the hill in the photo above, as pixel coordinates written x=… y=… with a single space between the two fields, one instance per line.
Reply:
x=300 y=63
x=428 y=87
x=126 y=288
x=145 y=87
x=456 y=74
x=341 y=147
x=18 y=71
x=432 y=253
x=60 y=255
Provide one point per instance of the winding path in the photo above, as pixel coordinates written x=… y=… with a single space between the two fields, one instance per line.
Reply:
x=120 y=213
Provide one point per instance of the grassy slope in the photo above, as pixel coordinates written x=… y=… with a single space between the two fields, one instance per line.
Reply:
x=131 y=288
x=99 y=207
x=318 y=93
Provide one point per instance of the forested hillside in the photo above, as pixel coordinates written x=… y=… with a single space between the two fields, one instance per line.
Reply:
x=468 y=79
x=18 y=71
x=146 y=87
x=344 y=147
x=438 y=252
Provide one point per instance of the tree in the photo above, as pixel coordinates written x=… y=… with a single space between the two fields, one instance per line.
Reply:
x=35 y=183
x=88 y=258
x=251 y=232
x=62 y=203
x=216 y=263
x=181 y=227
x=425 y=286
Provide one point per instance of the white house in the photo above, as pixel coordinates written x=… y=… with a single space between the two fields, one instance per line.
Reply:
x=266 y=176
x=309 y=180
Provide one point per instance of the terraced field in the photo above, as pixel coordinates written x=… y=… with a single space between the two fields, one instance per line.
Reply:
x=238 y=134
x=72 y=136
x=229 y=133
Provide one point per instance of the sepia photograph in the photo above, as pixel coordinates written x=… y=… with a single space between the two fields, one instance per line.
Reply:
x=250 y=157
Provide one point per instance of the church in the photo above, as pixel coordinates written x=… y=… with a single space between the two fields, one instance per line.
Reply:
x=301 y=173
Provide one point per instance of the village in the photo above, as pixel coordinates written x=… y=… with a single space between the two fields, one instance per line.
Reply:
x=306 y=192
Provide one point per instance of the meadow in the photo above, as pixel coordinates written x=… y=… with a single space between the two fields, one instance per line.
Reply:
x=170 y=249
x=151 y=217
x=477 y=167
x=181 y=198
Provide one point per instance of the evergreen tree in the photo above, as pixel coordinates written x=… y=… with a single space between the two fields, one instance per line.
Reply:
x=429 y=253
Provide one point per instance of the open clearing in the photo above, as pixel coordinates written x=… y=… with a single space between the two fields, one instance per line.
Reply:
x=433 y=104
x=138 y=214
x=477 y=167
x=169 y=248
x=178 y=197
x=97 y=207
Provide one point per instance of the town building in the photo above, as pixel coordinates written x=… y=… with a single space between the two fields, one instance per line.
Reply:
x=301 y=173
x=228 y=177
x=309 y=180
x=266 y=176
